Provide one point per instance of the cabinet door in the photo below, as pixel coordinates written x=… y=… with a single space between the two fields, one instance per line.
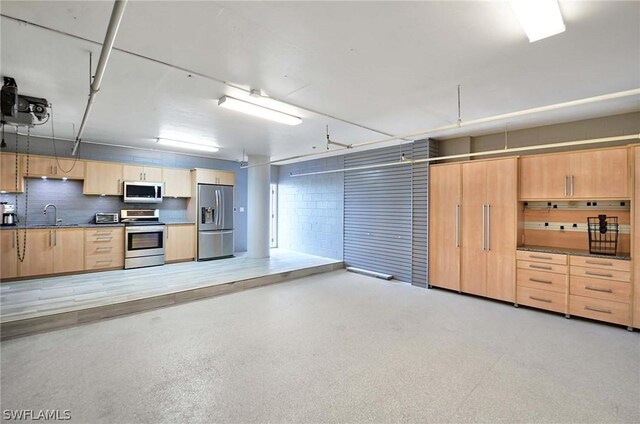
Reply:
x=68 y=246
x=50 y=167
x=38 y=259
x=133 y=172
x=473 y=260
x=599 y=174
x=8 y=173
x=226 y=178
x=8 y=259
x=152 y=174
x=177 y=182
x=103 y=178
x=444 y=226
x=636 y=237
x=502 y=216
x=180 y=242
x=544 y=177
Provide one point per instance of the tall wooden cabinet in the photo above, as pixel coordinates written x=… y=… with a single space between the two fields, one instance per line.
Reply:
x=445 y=197
x=489 y=224
x=636 y=237
x=472 y=227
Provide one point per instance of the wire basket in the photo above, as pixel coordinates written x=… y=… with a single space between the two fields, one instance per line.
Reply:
x=603 y=235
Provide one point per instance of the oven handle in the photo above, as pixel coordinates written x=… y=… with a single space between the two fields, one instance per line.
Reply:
x=145 y=229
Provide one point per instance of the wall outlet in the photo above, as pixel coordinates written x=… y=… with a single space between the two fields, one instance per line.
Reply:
x=241 y=208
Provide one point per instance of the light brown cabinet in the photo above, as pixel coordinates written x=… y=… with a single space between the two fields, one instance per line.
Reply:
x=43 y=166
x=142 y=173
x=445 y=197
x=588 y=175
x=104 y=248
x=489 y=223
x=52 y=251
x=8 y=258
x=103 y=178
x=636 y=237
x=68 y=255
x=38 y=257
x=210 y=176
x=180 y=242
x=8 y=181
x=177 y=182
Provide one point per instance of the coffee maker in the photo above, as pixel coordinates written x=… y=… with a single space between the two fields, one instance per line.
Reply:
x=9 y=216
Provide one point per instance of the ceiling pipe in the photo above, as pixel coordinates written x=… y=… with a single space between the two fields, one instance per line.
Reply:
x=107 y=46
x=470 y=123
x=476 y=154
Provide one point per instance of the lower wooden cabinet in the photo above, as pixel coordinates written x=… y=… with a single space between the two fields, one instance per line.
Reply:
x=104 y=248
x=38 y=256
x=68 y=250
x=9 y=258
x=542 y=281
x=180 y=242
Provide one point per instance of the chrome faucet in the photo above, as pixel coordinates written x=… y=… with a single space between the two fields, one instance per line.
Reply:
x=55 y=208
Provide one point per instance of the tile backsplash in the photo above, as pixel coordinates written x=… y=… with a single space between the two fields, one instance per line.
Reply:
x=75 y=207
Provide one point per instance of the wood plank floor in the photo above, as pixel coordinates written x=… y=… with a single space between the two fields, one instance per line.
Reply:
x=96 y=295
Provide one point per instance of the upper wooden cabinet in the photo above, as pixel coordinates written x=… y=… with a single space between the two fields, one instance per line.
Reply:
x=588 y=175
x=103 y=178
x=8 y=181
x=142 y=173
x=177 y=182
x=41 y=166
x=210 y=176
x=445 y=198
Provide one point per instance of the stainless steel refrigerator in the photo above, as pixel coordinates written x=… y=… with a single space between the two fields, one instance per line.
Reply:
x=215 y=221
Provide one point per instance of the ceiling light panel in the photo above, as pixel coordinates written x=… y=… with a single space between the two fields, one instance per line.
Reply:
x=257 y=110
x=187 y=145
x=539 y=18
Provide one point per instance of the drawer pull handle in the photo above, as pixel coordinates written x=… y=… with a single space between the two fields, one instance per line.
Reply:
x=541 y=267
x=104 y=262
x=536 y=280
x=597 y=274
x=599 y=263
x=104 y=248
x=546 y=258
x=598 y=289
x=103 y=238
x=539 y=299
x=104 y=231
x=591 y=308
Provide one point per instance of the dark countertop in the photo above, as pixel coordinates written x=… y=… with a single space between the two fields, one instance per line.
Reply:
x=574 y=252
x=178 y=222
x=50 y=227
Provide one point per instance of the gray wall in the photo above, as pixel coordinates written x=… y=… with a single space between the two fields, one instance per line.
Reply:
x=79 y=207
x=608 y=126
x=310 y=209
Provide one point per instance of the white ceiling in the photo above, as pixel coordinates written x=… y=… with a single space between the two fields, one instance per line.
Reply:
x=390 y=66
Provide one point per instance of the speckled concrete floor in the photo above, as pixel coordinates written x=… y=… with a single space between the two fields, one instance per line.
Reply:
x=337 y=347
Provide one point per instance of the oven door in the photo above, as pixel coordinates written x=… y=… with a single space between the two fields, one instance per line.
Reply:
x=145 y=240
x=141 y=192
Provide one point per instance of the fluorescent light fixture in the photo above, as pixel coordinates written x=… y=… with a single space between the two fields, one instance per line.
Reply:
x=539 y=18
x=257 y=110
x=187 y=145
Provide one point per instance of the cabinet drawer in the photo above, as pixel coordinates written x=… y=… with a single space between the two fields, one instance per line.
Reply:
x=609 y=274
x=115 y=239
x=95 y=232
x=603 y=310
x=537 y=266
x=552 y=258
x=106 y=261
x=542 y=299
x=600 y=263
x=616 y=291
x=104 y=249
x=542 y=280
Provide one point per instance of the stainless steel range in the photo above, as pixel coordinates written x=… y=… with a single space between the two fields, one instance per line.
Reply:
x=143 y=238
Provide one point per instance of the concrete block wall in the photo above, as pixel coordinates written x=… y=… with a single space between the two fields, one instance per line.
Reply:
x=310 y=209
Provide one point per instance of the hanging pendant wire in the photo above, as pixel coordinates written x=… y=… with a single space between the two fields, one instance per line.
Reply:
x=55 y=149
x=22 y=254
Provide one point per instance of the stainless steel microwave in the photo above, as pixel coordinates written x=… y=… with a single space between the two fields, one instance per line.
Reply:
x=142 y=192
